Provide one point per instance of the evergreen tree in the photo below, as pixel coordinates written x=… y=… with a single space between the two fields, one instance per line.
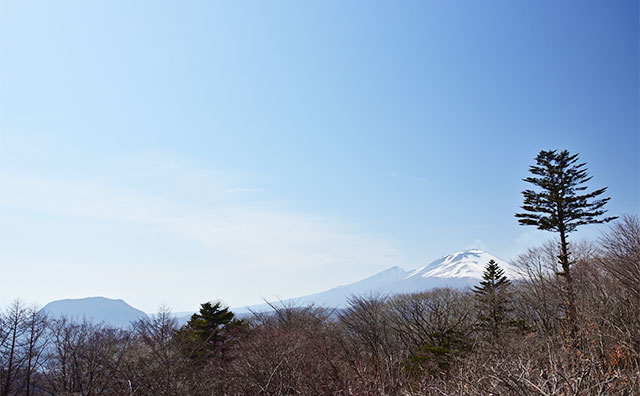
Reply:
x=493 y=299
x=207 y=325
x=561 y=205
x=207 y=330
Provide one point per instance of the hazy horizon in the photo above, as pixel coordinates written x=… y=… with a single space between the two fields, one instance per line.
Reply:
x=166 y=153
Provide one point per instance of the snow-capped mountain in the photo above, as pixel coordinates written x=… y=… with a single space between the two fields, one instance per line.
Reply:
x=457 y=270
x=468 y=264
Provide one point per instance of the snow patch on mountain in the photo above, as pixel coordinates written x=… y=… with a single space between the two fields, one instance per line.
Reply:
x=467 y=264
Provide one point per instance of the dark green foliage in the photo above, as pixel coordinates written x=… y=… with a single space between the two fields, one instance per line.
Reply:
x=207 y=325
x=493 y=300
x=207 y=330
x=438 y=353
x=561 y=206
x=494 y=280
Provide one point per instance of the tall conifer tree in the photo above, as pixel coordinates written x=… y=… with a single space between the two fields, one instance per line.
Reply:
x=561 y=205
x=493 y=299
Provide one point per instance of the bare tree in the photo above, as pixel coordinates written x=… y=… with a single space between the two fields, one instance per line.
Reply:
x=621 y=253
x=11 y=360
x=538 y=297
x=36 y=338
x=290 y=350
x=86 y=359
x=156 y=365
x=435 y=327
x=371 y=347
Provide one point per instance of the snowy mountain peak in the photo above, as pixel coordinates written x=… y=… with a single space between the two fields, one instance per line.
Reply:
x=466 y=264
x=458 y=270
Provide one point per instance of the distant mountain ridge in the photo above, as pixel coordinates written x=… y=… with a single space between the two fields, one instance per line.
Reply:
x=456 y=270
x=95 y=309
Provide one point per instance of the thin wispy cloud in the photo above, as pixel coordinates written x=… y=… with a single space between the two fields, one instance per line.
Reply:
x=240 y=237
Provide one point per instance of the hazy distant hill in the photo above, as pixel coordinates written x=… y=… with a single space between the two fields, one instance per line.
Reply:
x=457 y=270
x=95 y=309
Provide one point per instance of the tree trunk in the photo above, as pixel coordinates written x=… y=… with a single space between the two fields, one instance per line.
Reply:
x=14 y=333
x=569 y=294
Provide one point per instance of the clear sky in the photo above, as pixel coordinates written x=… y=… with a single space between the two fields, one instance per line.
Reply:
x=172 y=153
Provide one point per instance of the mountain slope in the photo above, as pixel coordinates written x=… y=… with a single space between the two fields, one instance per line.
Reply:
x=456 y=270
x=95 y=309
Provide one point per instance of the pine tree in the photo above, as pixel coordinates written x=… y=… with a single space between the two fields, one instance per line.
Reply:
x=561 y=206
x=207 y=325
x=493 y=299
x=207 y=330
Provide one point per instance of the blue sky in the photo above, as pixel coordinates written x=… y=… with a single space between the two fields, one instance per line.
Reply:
x=167 y=152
